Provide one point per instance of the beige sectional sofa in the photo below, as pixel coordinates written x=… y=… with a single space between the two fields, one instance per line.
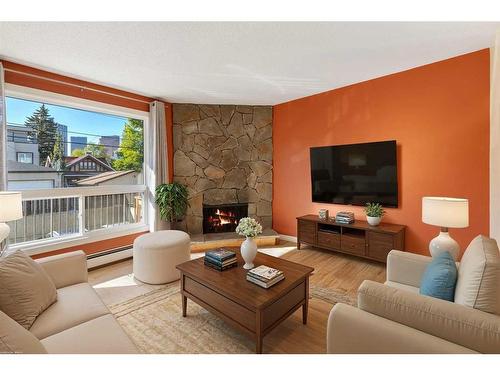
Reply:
x=394 y=318
x=78 y=322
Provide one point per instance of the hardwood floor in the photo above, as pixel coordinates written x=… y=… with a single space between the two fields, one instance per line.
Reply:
x=115 y=284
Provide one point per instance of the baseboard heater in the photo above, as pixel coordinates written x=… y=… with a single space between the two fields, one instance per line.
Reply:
x=109 y=256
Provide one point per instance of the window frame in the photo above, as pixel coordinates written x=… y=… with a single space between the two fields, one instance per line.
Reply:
x=24 y=152
x=42 y=246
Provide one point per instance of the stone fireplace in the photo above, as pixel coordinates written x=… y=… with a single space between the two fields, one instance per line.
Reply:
x=223 y=154
x=222 y=218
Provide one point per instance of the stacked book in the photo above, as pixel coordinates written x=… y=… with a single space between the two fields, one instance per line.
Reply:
x=344 y=217
x=265 y=276
x=220 y=259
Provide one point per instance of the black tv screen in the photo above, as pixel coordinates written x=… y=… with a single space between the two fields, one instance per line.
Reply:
x=355 y=174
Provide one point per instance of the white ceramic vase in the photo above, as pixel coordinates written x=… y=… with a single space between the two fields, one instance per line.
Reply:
x=373 y=220
x=249 y=252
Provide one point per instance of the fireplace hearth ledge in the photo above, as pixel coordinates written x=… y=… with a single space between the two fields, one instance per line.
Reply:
x=203 y=242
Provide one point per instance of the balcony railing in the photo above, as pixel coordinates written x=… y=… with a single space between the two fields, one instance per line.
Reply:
x=72 y=212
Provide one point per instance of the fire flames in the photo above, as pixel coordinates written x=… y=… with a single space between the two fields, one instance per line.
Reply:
x=222 y=218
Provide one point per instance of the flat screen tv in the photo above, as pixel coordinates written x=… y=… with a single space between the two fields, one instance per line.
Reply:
x=355 y=174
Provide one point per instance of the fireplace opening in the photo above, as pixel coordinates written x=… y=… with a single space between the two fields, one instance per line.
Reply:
x=222 y=218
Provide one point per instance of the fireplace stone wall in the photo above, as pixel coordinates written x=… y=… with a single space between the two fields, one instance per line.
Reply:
x=224 y=154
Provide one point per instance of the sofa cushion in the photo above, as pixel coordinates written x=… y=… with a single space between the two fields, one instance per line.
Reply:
x=440 y=278
x=478 y=284
x=102 y=335
x=14 y=338
x=459 y=324
x=76 y=304
x=26 y=289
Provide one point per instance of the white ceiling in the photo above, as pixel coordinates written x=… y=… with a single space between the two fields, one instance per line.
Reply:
x=236 y=63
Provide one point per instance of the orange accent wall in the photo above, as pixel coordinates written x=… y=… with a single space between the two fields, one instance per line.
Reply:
x=101 y=97
x=437 y=113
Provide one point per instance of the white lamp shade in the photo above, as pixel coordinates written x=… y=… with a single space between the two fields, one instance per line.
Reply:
x=10 y=206
x=445 y=212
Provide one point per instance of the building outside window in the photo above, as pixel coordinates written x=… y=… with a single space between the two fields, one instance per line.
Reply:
x=24 y=157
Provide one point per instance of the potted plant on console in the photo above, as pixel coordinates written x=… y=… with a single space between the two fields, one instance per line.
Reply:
x=374 y=213
x=250 y=228
x=172 y=201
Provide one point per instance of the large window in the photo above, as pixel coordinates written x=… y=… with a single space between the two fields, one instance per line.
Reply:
x=82 y=171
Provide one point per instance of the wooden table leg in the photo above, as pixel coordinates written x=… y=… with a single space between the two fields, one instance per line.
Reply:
x=305 y=306
x=258 y=344
x=184 y=298
x=258 y=332
x=184 y=306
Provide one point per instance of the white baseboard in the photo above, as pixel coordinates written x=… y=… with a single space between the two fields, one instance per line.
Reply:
x=288 y=238
x=109 y=258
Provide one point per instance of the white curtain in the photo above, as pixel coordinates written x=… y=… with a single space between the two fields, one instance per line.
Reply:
x=495 y=140
x=3 y=134
x=157 y=161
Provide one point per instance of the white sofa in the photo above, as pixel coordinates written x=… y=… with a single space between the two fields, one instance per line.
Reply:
x=77 y=323
x=394 y=318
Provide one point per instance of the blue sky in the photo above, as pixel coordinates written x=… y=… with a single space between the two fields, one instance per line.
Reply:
x=76 y=120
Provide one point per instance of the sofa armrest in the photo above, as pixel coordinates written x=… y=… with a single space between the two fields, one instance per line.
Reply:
x=66 y=269
x=406 y=268
x=354 y=331
x=471 y=328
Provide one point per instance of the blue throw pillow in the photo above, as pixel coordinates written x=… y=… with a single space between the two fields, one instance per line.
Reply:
x=440 y=278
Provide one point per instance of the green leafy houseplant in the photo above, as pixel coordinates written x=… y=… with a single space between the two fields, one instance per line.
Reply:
x=172 y=200
x=374 y=210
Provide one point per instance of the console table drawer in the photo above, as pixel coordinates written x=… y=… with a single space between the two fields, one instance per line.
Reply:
x=379 y=245
x=220 y=303
x=353 y=244
x=331 y=240
x=307 y=231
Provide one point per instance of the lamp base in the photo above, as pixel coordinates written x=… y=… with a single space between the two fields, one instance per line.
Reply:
x=4 y=234
x=443 y=242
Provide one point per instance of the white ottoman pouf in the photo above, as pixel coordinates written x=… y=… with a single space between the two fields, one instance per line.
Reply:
x=156 y=255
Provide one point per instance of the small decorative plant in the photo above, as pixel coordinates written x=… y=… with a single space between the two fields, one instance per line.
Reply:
x=374 y=210
x=249 y=227
x=172 y=200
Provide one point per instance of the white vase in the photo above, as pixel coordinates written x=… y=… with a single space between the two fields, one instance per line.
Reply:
x=249 y=252
x=373 y=220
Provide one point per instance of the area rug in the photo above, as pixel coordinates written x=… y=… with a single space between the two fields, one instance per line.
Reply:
x=155 y=323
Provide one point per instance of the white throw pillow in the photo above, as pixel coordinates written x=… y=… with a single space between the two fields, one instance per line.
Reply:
x=478 y=284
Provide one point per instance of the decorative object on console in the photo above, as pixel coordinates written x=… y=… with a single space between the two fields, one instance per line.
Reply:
x=344 y=217
x=374 y=213
x=250 y=228
x=221 y=259
x=445 y=213
x=265 y=276
x=11 y=209
x=323 y=214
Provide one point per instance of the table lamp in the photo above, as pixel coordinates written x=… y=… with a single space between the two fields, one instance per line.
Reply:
x=445 y=213
x=10 y=209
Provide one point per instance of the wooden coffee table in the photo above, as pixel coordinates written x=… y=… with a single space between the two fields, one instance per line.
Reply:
x=248 y=307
